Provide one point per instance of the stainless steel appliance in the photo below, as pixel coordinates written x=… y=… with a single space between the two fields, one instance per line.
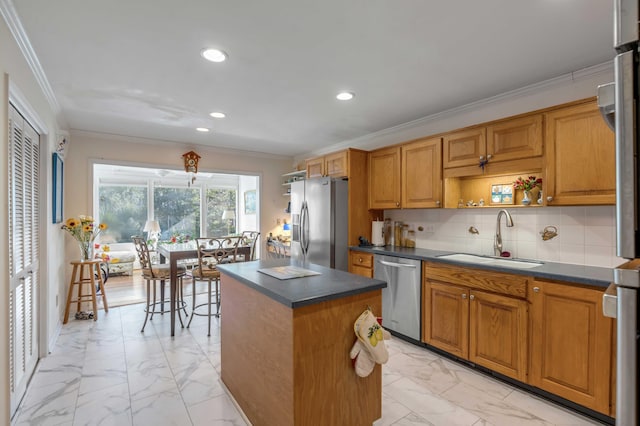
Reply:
x=621 y=299
x=401 y=298
x=319 y=222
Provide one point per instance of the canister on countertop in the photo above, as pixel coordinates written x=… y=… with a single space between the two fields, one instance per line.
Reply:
x=405 y=234
x=411 y=239
x=388 y=232
x=397 y=234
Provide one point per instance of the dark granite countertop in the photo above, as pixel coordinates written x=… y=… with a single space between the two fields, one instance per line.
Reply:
x=579 y=274
x=296 y=292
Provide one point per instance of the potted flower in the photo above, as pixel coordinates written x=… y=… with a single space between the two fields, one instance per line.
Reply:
x=85 y=231
x=527 y=185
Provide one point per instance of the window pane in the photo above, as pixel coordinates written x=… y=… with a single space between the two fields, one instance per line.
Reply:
x=219 y=200
x=178 y=211
x=124 y=209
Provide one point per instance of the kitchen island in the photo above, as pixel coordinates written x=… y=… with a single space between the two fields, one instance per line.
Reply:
x=285 y=345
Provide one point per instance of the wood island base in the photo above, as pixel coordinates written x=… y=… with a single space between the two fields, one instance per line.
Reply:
x=291 y=366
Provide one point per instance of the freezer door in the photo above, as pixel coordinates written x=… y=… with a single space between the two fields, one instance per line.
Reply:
x=625 y=22
x=318 y=221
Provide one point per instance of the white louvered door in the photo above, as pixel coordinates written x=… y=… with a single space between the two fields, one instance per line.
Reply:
x=24 y=248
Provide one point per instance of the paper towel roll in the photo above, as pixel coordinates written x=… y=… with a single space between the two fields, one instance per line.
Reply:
x=377 y=237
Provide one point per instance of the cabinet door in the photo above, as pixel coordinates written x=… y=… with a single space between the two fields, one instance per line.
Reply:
x=384 y=178
x=515 y=138
x=422 y=174
x=315 y=167
x=446 y=317
x=498 y=333
x=336 y=164
x=464 y=148
x=571 y=343
x=580 y=157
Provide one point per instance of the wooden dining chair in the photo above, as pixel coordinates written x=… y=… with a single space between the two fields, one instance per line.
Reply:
x=154 y=274
x=211 y=253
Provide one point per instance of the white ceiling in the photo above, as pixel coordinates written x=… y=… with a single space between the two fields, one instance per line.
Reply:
x=134 y=67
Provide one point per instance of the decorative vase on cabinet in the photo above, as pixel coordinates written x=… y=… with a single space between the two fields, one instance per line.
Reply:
x=526 y=200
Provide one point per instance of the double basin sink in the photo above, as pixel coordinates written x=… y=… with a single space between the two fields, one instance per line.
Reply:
x=491 y=261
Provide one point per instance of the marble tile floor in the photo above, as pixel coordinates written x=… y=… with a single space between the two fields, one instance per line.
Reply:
x=108 y=373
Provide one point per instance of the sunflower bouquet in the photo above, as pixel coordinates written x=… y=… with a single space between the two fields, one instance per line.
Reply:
x=85 y=231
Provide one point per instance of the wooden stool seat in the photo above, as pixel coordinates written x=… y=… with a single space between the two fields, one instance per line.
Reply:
x=85 y=272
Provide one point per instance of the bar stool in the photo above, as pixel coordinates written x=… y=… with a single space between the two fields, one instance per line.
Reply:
x=85 y=272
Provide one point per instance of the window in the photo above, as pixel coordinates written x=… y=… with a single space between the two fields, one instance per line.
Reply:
x=124 y=208
x=212 y=205
x=177 y=210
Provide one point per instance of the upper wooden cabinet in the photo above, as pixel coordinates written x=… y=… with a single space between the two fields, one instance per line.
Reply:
x=421 y=183
x=571 y=343
x=504 y=140
x=407 y=176
x=464 y=148
x=580 y=157
x=334 y=165
x=384 y=178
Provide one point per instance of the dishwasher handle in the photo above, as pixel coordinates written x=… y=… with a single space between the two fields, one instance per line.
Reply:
x=396 y=265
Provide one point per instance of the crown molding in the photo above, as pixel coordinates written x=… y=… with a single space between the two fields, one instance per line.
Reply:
x=79 y=133
x=8 y=12
x=365 y=141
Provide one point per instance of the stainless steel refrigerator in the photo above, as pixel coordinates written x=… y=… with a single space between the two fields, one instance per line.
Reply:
x=621 y=108
x=319 y=222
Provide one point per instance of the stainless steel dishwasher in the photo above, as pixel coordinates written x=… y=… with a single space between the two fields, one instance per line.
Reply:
x=401 y=298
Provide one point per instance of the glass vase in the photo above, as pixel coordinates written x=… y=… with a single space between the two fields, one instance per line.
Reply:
x=86 y=251
x=526 y=199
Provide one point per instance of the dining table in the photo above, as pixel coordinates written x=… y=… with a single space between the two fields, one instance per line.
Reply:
x=173 y=252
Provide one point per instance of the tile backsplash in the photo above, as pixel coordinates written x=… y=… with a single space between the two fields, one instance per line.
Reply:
x=586 y=235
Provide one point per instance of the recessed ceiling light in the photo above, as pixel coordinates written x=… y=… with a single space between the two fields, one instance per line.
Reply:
x=218 y=114
x=345 y=96
x=214 y=55
x=202 y=129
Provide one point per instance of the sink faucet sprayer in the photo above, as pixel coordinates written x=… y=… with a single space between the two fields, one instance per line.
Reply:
x=497 y=241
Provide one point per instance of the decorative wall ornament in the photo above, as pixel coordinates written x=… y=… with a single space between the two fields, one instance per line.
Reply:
x=191 y=165
x=62 y=144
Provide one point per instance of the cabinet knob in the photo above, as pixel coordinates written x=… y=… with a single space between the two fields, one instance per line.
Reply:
x=464 y=295
x=549 y=198
x=489 y=156
x=481 y=157
x=536 y=289
x=397 y=204
x=472 y=297
x=360 y=259
x=437 y=202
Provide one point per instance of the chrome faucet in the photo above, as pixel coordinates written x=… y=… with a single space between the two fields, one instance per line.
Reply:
x=497 y=241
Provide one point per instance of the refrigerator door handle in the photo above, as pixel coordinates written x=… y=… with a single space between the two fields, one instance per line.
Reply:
x=304 y=225
x=625 y=22
x=625 y=155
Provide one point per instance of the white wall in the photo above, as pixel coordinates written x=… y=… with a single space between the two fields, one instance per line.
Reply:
x=246 y=222
x=14 y=69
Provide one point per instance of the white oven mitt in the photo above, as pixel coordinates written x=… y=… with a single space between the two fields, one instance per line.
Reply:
x=371 y=335
x=363 y=362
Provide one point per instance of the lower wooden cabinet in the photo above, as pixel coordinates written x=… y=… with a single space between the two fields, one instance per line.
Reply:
x=485 y=328
x=361 y=263
x=498 y=333
x=571 y=344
